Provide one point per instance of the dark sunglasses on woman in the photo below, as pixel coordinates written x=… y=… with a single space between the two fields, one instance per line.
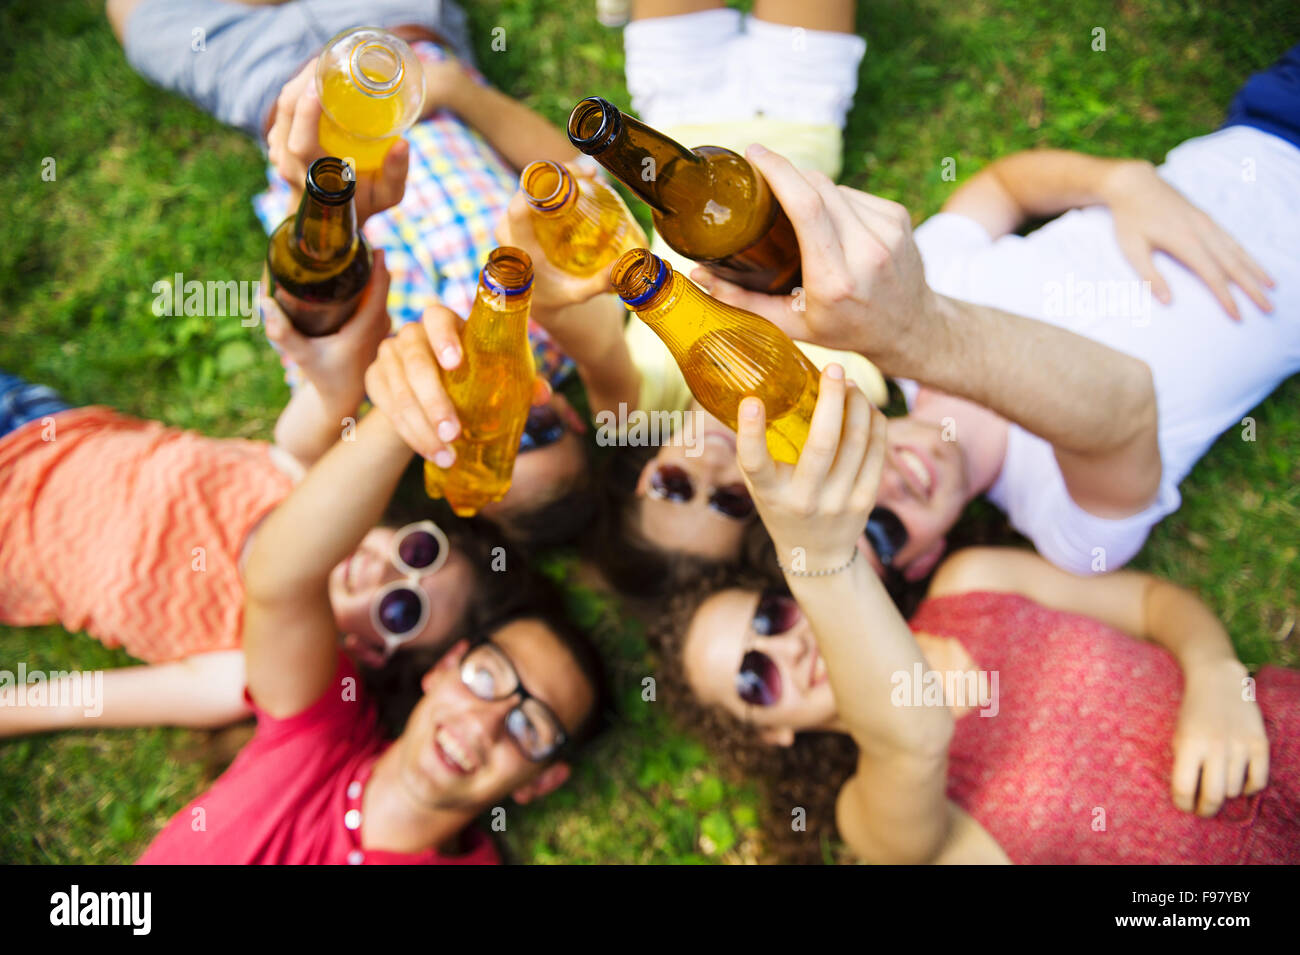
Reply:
x=759 y=681
x=886 y=533
x=668 y=482
x=543 y=428
x=401 y=608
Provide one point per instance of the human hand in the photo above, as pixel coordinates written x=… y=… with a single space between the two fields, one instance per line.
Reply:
x=336 y=364
x=1219 y=740
x=1152 y=216
x=864 y=285
x=817 y=507
x=293 y=144
x=405 y=383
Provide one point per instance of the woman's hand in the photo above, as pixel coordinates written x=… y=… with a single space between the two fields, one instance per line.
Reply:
x=816 y=509
x=293 y=144
x=553 y=288
x=336 y=364
x=1152 y=216
x=1219 y=739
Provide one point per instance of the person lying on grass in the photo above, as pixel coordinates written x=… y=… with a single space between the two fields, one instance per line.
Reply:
x=1023 y=715
x=319 y=783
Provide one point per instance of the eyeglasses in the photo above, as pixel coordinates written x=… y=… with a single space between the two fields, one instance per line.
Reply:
x=488 y=673
x=668 y=482
x=543 y=428
x=759 y=681
x=886 y=533
x=401 y=608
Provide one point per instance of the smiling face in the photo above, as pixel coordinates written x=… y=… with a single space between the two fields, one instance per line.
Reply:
x=456 y=752
x=354 y=583
x=719 y=637
x=695 y=526
x=925 y=483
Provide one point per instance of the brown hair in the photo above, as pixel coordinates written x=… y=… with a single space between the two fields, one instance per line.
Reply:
x=807 y=775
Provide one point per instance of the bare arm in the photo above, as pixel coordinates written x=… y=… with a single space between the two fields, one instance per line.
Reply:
x=1220 y=737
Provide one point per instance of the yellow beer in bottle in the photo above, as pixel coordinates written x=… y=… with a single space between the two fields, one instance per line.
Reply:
x=371 y=87
x=491 y=388
x=725 y=353
x=709 y=203
x=582 y=224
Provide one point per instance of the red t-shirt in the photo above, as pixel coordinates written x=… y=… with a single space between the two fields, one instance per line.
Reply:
x=293 y=795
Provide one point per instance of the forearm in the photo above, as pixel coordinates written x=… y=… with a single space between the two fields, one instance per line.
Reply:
x=324 y=519
x=865 y=643
x=310 y=424
x=591 y=334
x=518 y=133
x=1033 y=184
x=1179 y=621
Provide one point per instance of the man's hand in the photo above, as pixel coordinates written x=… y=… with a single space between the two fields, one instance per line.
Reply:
x=864 y=285
x=1219 y=740
x=336 y=364
x=293 y=143
x=1152 y=216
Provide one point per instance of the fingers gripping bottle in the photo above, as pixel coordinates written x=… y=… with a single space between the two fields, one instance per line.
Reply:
x=725 y=353
x=582 y=224
x=491 y=388
x=709 y=203
x=371 y=88
x=317 y=260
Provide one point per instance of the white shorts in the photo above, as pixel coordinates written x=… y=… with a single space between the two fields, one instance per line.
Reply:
x=719 y=65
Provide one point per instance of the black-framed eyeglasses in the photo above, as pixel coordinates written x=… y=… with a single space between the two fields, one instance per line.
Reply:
x=488 y=673
x=668 y=482
x=543 y=428
x=887 y=534
x=758 y=682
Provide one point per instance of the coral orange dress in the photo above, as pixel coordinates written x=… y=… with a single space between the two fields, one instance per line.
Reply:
x=1075 y=767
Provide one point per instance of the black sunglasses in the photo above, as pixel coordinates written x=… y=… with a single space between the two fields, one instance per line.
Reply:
x=759 y=681
x=543 y=428
x=886 y=533
x=669 y=482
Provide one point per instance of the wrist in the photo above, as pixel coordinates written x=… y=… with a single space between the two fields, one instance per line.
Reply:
x=925 y=343
x=1117 y=178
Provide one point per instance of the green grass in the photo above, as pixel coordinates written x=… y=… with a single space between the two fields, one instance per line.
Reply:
x=148 y=186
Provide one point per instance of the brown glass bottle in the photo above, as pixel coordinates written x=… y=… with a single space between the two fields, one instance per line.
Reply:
x=317 y=261
x=709 y=203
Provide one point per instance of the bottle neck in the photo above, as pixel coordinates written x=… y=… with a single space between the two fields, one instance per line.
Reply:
x=326 y=225
x=631 y=150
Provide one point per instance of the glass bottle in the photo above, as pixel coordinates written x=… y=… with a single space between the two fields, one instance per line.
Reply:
x=491 y=388
x=725 y=353
x=582 y=224
x=371 y=88
x=317 y=260
x=709 y=203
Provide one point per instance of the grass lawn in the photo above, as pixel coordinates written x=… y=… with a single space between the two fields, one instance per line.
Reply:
x=147 y=186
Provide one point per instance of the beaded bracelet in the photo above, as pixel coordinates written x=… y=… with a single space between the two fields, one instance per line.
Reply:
x=818 y=573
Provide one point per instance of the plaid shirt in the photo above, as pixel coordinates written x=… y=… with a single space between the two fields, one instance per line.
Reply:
x=438 y=238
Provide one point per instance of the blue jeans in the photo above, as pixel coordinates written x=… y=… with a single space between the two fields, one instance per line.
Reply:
x=21 y=402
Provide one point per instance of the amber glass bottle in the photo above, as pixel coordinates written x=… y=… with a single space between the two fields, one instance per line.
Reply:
x=582 y=224
x=725 y=353
x=709 y=203
x=491 y=388
x=317 y=261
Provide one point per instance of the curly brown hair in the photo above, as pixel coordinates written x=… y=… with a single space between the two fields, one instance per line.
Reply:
x=807 y=775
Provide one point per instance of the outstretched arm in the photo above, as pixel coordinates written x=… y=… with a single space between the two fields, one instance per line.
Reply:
x=865 y=291
x=1149 y=215
x=1220 y=739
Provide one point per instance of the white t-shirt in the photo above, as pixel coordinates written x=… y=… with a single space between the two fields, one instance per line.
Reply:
x=1208 y=370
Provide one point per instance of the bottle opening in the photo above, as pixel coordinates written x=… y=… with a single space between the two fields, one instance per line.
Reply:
x=638 y=276
x=330 y=180
x=509 y=271
x=547 y=185
x=593 y=124
x=376 y=67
